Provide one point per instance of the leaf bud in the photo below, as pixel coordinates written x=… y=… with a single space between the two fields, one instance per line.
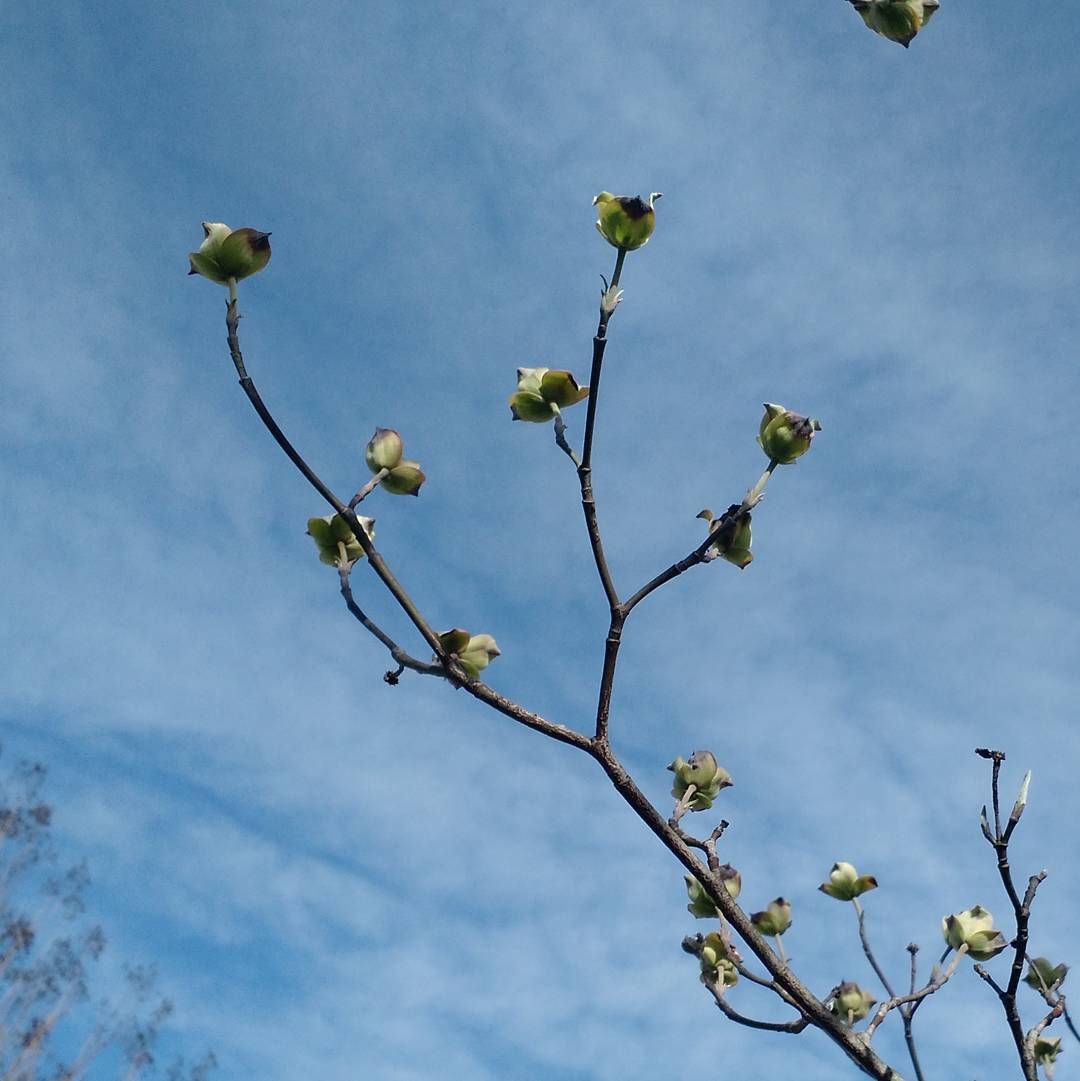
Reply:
x=732 y=535
x=229 y=253
x=625 y=221
x=1047 y=1050
x=1042 y=975
x=845 y=883
x=785 y=436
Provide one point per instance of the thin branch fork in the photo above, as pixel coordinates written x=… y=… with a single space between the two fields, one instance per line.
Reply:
x=932 y=985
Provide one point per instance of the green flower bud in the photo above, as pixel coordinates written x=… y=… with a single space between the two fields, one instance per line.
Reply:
x=850 y=1002
x=733 y=538
x=897 y=20
x=731 y=878
x=1047 y=1050
x=700 y=907
x=331 y=532
x=845 y=883
x=785 y=436
x=716 y=966
x=1042 y=975
x=625 y=221
x=229 y=253
x=974 y=928
x=404 y=479
x=541 y=392
x=707 y=778
x=776 y=918
x=384 y=450
x=478 y=653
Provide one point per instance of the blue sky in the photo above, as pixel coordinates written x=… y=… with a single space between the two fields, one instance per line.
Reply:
x=339 y=879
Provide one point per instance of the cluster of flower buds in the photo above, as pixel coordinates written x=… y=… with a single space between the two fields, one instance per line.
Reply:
x=717 y=967
x=700 y=906
x=229 y=253
x=542 y=392
x=333 y=537
x=731 y=535
x=974 y=928
x=384 y=451
x=625 y=221
x=897 y=20
x=699 y=781
x=474 y=651
x=845 y=883
x=1042 y=975
x=850 y=1002
x=785 y=436
x=775 y=919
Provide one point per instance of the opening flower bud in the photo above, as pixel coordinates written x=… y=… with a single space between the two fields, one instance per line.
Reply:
x=1042 y=975
x=974 y=928
x=404 y=479
x=897 y=20
x=229 y=253
x=478 y=653
x=785 y=436
x=702 y=773
x=333 y=532
x=384 y=450
x=717 y=967
x=845 y=883
x=775 y=919
x=850 y=1002
x=732 y=535
x=625 y=221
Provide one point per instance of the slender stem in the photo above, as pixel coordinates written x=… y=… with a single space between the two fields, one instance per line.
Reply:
x=607 y=678
x=368 y=488
x=562 y=444
x=868 y=951
x=232 y=322
x=907 y=1013
x=729 y=1011
x=1069 y=1022
x=753 y=497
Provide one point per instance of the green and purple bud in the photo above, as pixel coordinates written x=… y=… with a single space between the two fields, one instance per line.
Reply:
x=625 y=221
x=336 y=541
x=845 y=883
x=474 y=651
x=850 y=1002
x=229 y=253
x=897 y=20
x=699 y=781
x=785 y=436
x=974 y=928
x=717 y=967
x=775 y=919
x=543 y=392
x=732 y=535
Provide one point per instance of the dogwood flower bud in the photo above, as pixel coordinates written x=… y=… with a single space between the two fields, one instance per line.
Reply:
x=845 y=883
x=474 y=651
x=700 y=907
x=331 y=532
x=732 y=535
x=974 y=928
x=897 y=20
x=785 y=436
x=702 y=773
x=625 y=221
x=850 y=1002
x=384 y=450
x=404 y=479
x=542 y=392
x=717 y=966
x=229 y=253
x=775 y=919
